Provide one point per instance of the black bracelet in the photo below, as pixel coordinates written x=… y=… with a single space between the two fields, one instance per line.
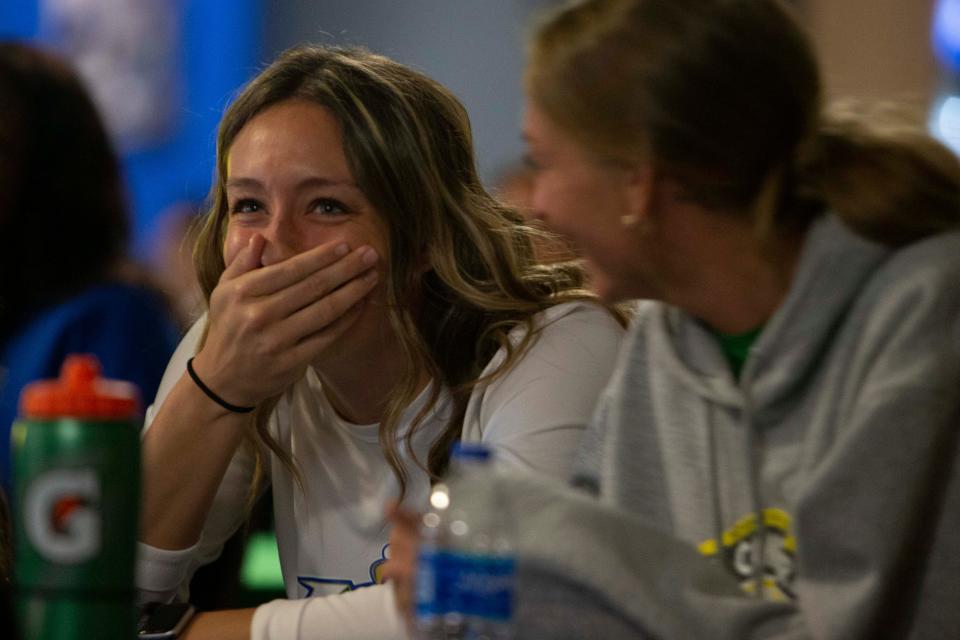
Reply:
x=210 y=394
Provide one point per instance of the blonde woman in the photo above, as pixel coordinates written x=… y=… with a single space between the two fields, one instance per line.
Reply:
x=777 y=453
x=369 y=304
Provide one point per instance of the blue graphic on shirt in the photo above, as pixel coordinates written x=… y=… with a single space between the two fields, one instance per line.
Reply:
x=312 y=584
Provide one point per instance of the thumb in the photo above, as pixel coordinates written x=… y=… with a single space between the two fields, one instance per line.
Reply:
x=247 y=259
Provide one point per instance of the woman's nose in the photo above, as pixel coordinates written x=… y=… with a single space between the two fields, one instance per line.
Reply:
x=535 y=204
x=282 y=241
x=536 y=214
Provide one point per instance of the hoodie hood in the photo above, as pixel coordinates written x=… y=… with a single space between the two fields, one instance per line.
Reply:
x=832 y=270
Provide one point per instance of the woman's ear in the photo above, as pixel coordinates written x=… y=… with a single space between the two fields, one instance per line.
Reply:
x=640 y=189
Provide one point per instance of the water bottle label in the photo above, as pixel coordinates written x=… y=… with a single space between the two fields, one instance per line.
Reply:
x=487 y=584
x=437 y=580
x=471 y=584
x=426 y=584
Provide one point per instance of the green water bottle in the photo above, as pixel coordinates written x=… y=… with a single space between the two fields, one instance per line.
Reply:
x=76 y=465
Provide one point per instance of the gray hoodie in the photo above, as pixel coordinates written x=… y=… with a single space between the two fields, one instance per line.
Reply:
x=818 y=497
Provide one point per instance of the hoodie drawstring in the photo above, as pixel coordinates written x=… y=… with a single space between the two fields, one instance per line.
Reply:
x=754 y=460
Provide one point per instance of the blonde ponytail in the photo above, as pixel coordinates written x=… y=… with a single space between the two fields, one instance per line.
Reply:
x=886 y=178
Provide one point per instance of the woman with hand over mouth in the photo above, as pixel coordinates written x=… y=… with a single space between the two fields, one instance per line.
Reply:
x=369 y=305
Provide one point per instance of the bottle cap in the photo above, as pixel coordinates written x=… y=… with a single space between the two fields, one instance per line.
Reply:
x=470 y=451
x=80 y=392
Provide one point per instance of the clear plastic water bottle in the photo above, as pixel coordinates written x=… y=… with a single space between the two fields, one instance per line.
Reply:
x=466 y=569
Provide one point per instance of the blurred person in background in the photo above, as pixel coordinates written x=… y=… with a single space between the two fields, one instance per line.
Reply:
x=369 y=304
x=6 y=565
x=65 y=283
x=171 y=260
x=777 y=453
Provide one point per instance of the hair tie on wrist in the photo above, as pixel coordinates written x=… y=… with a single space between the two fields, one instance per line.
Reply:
x=210 y=394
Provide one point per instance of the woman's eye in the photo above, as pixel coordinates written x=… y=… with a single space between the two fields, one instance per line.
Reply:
x=246 y=206
x=329 y=207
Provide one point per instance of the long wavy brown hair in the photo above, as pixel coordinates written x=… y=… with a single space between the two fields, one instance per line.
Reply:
x=408 y=143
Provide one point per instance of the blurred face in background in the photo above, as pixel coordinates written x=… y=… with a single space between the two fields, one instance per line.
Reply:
x=585 y=200
x=515 y=188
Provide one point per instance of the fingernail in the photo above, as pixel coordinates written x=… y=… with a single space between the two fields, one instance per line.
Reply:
x=370 y=256
x=371 y=276
x=342 y=249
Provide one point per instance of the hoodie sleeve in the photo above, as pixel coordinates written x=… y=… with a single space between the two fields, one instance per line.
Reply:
x=877 y=511
x=878 y=553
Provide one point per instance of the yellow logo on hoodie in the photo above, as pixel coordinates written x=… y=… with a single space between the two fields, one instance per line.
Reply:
x=739 y=546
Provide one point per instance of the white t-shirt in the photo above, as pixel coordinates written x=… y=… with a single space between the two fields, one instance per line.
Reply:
x=333 y=537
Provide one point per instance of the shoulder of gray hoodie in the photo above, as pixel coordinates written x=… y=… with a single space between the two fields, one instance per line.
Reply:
x=846 y=418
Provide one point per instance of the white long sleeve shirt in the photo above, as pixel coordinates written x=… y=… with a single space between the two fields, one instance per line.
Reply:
x=332 y=537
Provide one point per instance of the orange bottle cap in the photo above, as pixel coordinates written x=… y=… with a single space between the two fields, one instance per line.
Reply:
x=80 y=392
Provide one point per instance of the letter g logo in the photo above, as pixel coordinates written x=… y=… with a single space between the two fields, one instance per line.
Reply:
x=62 y=515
